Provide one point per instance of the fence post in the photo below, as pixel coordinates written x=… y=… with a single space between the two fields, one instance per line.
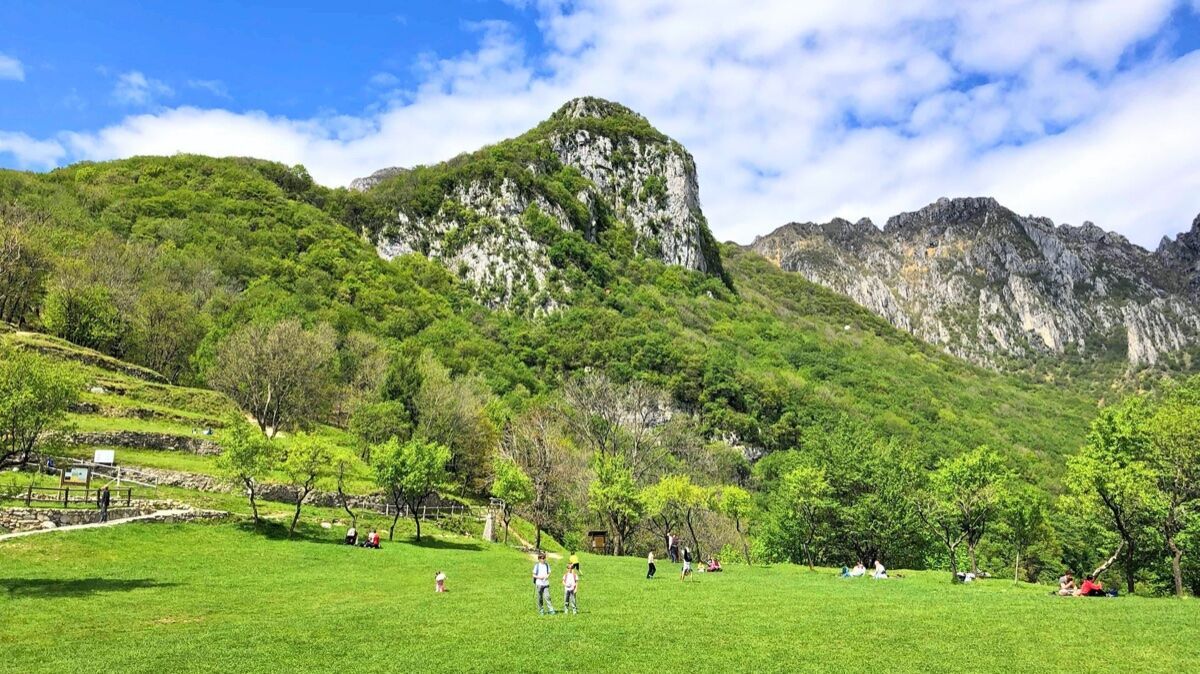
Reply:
x=29 y=496
x=66 y=496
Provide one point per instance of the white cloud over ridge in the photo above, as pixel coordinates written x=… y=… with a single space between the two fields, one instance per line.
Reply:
x=794 y=111
x=135 y=89
x=11 y=68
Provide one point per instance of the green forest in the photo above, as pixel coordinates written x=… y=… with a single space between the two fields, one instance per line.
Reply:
x=758 y=415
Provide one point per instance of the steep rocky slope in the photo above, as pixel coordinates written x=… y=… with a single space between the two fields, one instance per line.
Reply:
x=510 y=218
x=1005 y=290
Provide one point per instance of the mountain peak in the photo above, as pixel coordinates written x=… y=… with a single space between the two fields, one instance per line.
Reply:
x=594 y=107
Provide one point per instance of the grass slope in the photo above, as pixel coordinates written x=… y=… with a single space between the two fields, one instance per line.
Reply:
x=194 y=598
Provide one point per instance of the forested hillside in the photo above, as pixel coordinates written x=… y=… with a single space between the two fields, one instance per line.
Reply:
x=158 y=260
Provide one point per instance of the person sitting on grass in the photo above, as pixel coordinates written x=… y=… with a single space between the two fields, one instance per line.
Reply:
x=880 y=571
x=372 y=540
x=1066 y=585
x=858 y=570
x=1091 y=587
x=439 y=582
x=351 y=535
x=714 y=566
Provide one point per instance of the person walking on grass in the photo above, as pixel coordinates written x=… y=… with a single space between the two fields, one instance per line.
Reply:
x=650 y=565
x=541 y=585
x=570 y=587
x=105 y=499
x=687 y=564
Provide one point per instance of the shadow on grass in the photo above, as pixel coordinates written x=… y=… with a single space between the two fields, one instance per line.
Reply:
x=440 y=544
x=52 y=588
x=277 y=531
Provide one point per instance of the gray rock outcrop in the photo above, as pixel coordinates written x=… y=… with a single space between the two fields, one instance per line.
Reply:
x=1001 y=289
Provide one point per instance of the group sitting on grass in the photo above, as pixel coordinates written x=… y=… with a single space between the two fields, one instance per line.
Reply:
x=859 y=570
x=1091 y=587
x=371 y=541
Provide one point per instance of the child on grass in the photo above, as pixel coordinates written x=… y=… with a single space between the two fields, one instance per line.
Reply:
x=439 y=582
x=570 y=587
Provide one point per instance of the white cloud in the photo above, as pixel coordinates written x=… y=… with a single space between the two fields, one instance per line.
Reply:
x=135 y=89
x=215 y=87
x=31 y=152
x=11 y=68
x=793 y=110
x=383 y=80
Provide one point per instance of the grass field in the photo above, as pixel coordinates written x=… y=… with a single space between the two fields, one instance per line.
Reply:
x=152 y=598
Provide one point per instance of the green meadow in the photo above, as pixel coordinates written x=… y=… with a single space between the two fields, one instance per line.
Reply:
x=227 y=597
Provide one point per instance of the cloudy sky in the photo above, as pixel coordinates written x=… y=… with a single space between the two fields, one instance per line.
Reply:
x=1073 y=109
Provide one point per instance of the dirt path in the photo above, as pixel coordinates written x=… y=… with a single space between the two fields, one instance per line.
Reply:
x=111 y=523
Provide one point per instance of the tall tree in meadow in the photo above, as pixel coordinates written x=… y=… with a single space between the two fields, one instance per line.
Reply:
x=246 y=457
x=960 y=500
x=672 y=500
x=803 y=502
x=409 y=473
x=1023 y=521
x=308 y=460
x=736 y=504
x=535 y=441
x=35 y=393
x=1111 y=474
x=511 y=485
x=1174 y=432
x=614 y=496
x=281 y=373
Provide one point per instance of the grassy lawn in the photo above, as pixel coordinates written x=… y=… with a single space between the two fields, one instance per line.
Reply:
x=151 y=598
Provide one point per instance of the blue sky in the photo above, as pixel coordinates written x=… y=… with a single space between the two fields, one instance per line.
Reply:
x=1073 y=109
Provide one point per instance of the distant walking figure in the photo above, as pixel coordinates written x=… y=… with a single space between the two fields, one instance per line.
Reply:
x=650 y=565
x=105 y=499
x=673 y=548
x=541 y=585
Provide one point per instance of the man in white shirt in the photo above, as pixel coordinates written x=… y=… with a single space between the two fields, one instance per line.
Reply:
x=541 y=584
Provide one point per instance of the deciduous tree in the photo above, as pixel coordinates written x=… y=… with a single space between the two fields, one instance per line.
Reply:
x=409 y=472
x=279 y=373
x=35 y=393
x=246 y=457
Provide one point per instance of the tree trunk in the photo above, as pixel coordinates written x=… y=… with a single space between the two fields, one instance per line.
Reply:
x=395 y=519
x=296 y=518
x=745 y=548
x=1176 y=565
x=346 y=506
x=1109 y=562
x=971 y=557
x=953 y=563
x=538 y=537
x=417 y=520
x=692 y=531
x=253 y=504
x=1017 y=569
x=1130 y=569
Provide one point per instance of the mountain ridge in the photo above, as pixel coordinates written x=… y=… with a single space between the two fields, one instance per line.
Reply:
x=1003 y=290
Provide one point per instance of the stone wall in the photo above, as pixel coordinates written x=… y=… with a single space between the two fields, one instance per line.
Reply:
x=28 y=519
x=142 y=440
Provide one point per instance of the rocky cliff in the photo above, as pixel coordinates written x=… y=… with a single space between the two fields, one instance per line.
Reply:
x=1004 y=290
x=516 y=219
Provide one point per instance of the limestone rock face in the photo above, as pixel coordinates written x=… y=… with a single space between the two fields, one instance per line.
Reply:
x=504 y=218
x=1003 y=290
